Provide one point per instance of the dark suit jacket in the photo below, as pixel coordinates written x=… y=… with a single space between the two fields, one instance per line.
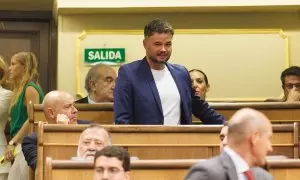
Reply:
x=83 y=100
x=29 y=146
x=222 y=168
x=136 y=98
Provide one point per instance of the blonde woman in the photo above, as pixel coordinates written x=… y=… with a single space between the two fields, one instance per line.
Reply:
x=23 y=76
x=5 y=98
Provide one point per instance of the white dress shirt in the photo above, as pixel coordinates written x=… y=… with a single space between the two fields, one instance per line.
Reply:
x=240 y=164
x=90 y=101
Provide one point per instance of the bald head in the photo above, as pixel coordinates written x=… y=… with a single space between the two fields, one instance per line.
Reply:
x=249 y=133
x=59 y=102
x=244 y=122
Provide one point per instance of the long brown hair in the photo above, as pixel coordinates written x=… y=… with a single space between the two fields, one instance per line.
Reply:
x=3 y=73
x=29 y=61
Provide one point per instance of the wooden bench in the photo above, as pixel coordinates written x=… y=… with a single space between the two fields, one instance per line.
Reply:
x=277 y=112
x=155 y=142
x=98 y=113
x=288 y=169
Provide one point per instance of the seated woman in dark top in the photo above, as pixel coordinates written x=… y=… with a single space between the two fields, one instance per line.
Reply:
x=199 y=82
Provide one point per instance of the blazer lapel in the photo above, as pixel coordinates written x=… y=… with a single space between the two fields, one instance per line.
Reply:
x=228 y=166
x=145 y=69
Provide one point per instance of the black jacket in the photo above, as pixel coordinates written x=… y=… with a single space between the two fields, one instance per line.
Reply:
x=83 y=100
x=29 y=146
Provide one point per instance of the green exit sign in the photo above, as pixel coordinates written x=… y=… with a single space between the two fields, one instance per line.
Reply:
x=110 y=55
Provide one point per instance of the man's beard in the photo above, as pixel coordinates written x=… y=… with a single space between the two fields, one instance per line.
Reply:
x=154 y=60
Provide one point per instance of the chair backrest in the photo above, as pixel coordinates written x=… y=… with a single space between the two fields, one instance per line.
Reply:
x=156 y=142
x=277 y=112
x=156 y=169
x=101 y=113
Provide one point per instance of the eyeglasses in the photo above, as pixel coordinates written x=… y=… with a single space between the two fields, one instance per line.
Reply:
x=290 y=86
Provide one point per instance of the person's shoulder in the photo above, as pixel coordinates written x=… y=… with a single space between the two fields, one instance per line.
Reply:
x=5 y=92
x=208 y=165
x=206 y=169
x=132 y=64
x=177 y=67
x=31 y=90
x=82 y=100
x=133 y=68
x=84 y=122
x=260 y=173
x=30 y=138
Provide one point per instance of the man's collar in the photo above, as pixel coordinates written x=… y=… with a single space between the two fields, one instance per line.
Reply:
x=239 y=163
x=90 y=101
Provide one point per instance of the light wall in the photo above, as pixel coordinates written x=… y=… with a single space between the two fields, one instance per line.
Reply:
x=173 y=3
x=71 y=26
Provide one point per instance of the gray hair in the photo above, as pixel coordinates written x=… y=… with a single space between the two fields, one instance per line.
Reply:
x=158 y=26
x=93 y=75
x=96 y=126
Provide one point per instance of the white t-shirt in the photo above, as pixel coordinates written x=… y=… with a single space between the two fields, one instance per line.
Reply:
x=169 y=96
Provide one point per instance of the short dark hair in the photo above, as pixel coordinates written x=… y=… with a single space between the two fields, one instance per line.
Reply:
x=197 y=70
x=117 y=152
x=291 y=71
x=158 y=26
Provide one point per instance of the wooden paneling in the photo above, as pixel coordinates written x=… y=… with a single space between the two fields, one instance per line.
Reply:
x=157 y=169
x=156 y=142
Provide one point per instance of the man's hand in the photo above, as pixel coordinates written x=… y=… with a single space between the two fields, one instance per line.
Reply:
x=9 y=152
x=293 y=96
x=62 y=119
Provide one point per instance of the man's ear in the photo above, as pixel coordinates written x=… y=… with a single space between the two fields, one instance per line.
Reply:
x=51 y=113
x=127 y=175
x=144 y=43
x=92 y=85
x=254 y=138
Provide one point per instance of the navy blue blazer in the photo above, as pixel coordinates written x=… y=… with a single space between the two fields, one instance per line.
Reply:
x=136 y=98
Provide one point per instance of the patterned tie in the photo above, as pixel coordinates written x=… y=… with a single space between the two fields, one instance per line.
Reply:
x=249 y=175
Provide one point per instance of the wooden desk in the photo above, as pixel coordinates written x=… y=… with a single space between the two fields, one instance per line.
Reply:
x=288 y=169
x=277 y=112
x=99 y=113
x=156 y=142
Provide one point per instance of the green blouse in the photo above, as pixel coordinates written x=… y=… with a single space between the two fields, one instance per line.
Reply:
x=19 y=113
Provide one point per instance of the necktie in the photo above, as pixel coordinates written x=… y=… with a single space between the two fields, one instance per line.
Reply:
x=249 y=175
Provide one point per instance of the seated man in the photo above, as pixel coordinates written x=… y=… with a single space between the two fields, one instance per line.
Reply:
x=92 y=139
x=58 y=108
x=223 y=136
x=290 y=79
x=112 y=163
x=99 y=84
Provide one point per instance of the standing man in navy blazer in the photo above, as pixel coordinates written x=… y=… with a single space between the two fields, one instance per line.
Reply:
x=152 y=91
